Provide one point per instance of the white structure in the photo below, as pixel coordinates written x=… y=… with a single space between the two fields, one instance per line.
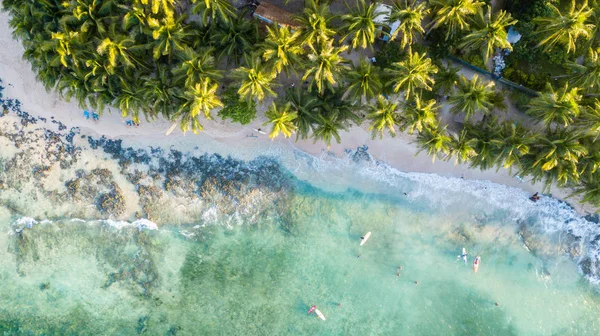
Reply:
x=384 y=28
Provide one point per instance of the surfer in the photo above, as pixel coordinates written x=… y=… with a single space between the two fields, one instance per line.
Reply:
x=398 y=271
x=463 y=256
x=312 y=309
x=535 y=197
x=476 y=263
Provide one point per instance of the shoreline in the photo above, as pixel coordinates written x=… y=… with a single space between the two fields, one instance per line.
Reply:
x=399 y=152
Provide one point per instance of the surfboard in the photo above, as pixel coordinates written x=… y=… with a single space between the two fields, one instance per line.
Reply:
x=171 y=129
x=320 y=315
x=261 y=132
x=464 y=254
x=365 y=238
x=476 y=263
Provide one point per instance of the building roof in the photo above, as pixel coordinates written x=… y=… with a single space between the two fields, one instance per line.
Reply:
x=270 y=13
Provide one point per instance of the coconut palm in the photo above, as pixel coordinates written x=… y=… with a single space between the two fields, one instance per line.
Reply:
x=201 y=98
x=116 y=51
x=513 y=143
x=556 y=157
x=282 y=120
x=327 y=128
x=566 y=28
x=282 y=49
x=419 y=115
x=488 y=32
x=589 y=189
x=360 y=24
x=410 y=14
x=169 y=36
x=589 y=120
x=446 y=80
x=435 y=141
x=304 y=104
x=161 y=6
x=472 y=96
x=162 y=97
x=131 y=102
x=213 y=11
x=325 y=67
x=462 y=147
x=235 y=40
x=66 y=46
x=453 y=14
x=315 y=21
x=255 y=80
x=415 y=72
x=485 y=135
x=196 y=65
x=561 y=106
x=332 y=102
x=363 y=82
x=383 y=116
x=587 y=74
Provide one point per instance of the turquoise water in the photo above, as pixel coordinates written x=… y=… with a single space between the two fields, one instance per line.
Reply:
x=74 y=277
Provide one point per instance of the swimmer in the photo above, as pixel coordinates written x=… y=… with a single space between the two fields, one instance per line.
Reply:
x=416 y=282
x=463 y=256
x=398 y=271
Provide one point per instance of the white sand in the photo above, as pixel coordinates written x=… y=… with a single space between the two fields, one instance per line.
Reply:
x=399 y=152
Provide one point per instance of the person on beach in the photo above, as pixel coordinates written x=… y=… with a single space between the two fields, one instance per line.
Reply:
x=535 y=197
x=95 y=117
x=86 y=114
x=129 y=123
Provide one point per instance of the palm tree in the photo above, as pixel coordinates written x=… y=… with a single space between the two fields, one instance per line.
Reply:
x=325 y=67
x=364 y=82
x=485 y=134
x=201 y=98
x=131 y=102
x=565 y=29
x=463 y=147
x=196 y=65
x=282 y=120
x=446 y=80
x=159 y=92
x=360 y=24
x=586 y=75
x=66 y=46
x=488 y=33
x=454 y=14
x=472 y=96
x=383 y=116
x=282 y=49
x=513 y=143
x=304 y=104
x=255 y=80
x=315 y=20
x=410 y=14
x=589 y=120
x=436 y=141
x=419 y=115
x=213 y=11
x=413 y=73
x=235 y=40
x=560 y=106
x=557 y=156
x=162 y=6
x=327 y=128
x=169 y=35
x=116 y=50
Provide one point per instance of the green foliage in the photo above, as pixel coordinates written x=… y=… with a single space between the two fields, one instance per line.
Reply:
x=389 y=53
x=236 y=109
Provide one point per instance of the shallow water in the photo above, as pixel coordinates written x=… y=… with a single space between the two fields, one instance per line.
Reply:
x=245 y=248
x=92 y=278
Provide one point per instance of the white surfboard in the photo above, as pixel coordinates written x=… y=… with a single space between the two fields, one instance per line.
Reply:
x=365 y=238
x=171 y=129
x=319 y=314
x=261 y=132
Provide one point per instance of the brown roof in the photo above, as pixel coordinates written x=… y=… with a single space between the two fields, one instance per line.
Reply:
x=273 y=13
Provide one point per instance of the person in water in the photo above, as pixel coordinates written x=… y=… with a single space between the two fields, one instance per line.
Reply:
x=398 y=271
x=535 y=197
x=312 y=309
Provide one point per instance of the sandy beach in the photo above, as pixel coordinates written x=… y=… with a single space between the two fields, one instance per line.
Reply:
x=399 y=152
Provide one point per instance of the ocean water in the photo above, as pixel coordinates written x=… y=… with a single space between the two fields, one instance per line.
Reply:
x=223 y=246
